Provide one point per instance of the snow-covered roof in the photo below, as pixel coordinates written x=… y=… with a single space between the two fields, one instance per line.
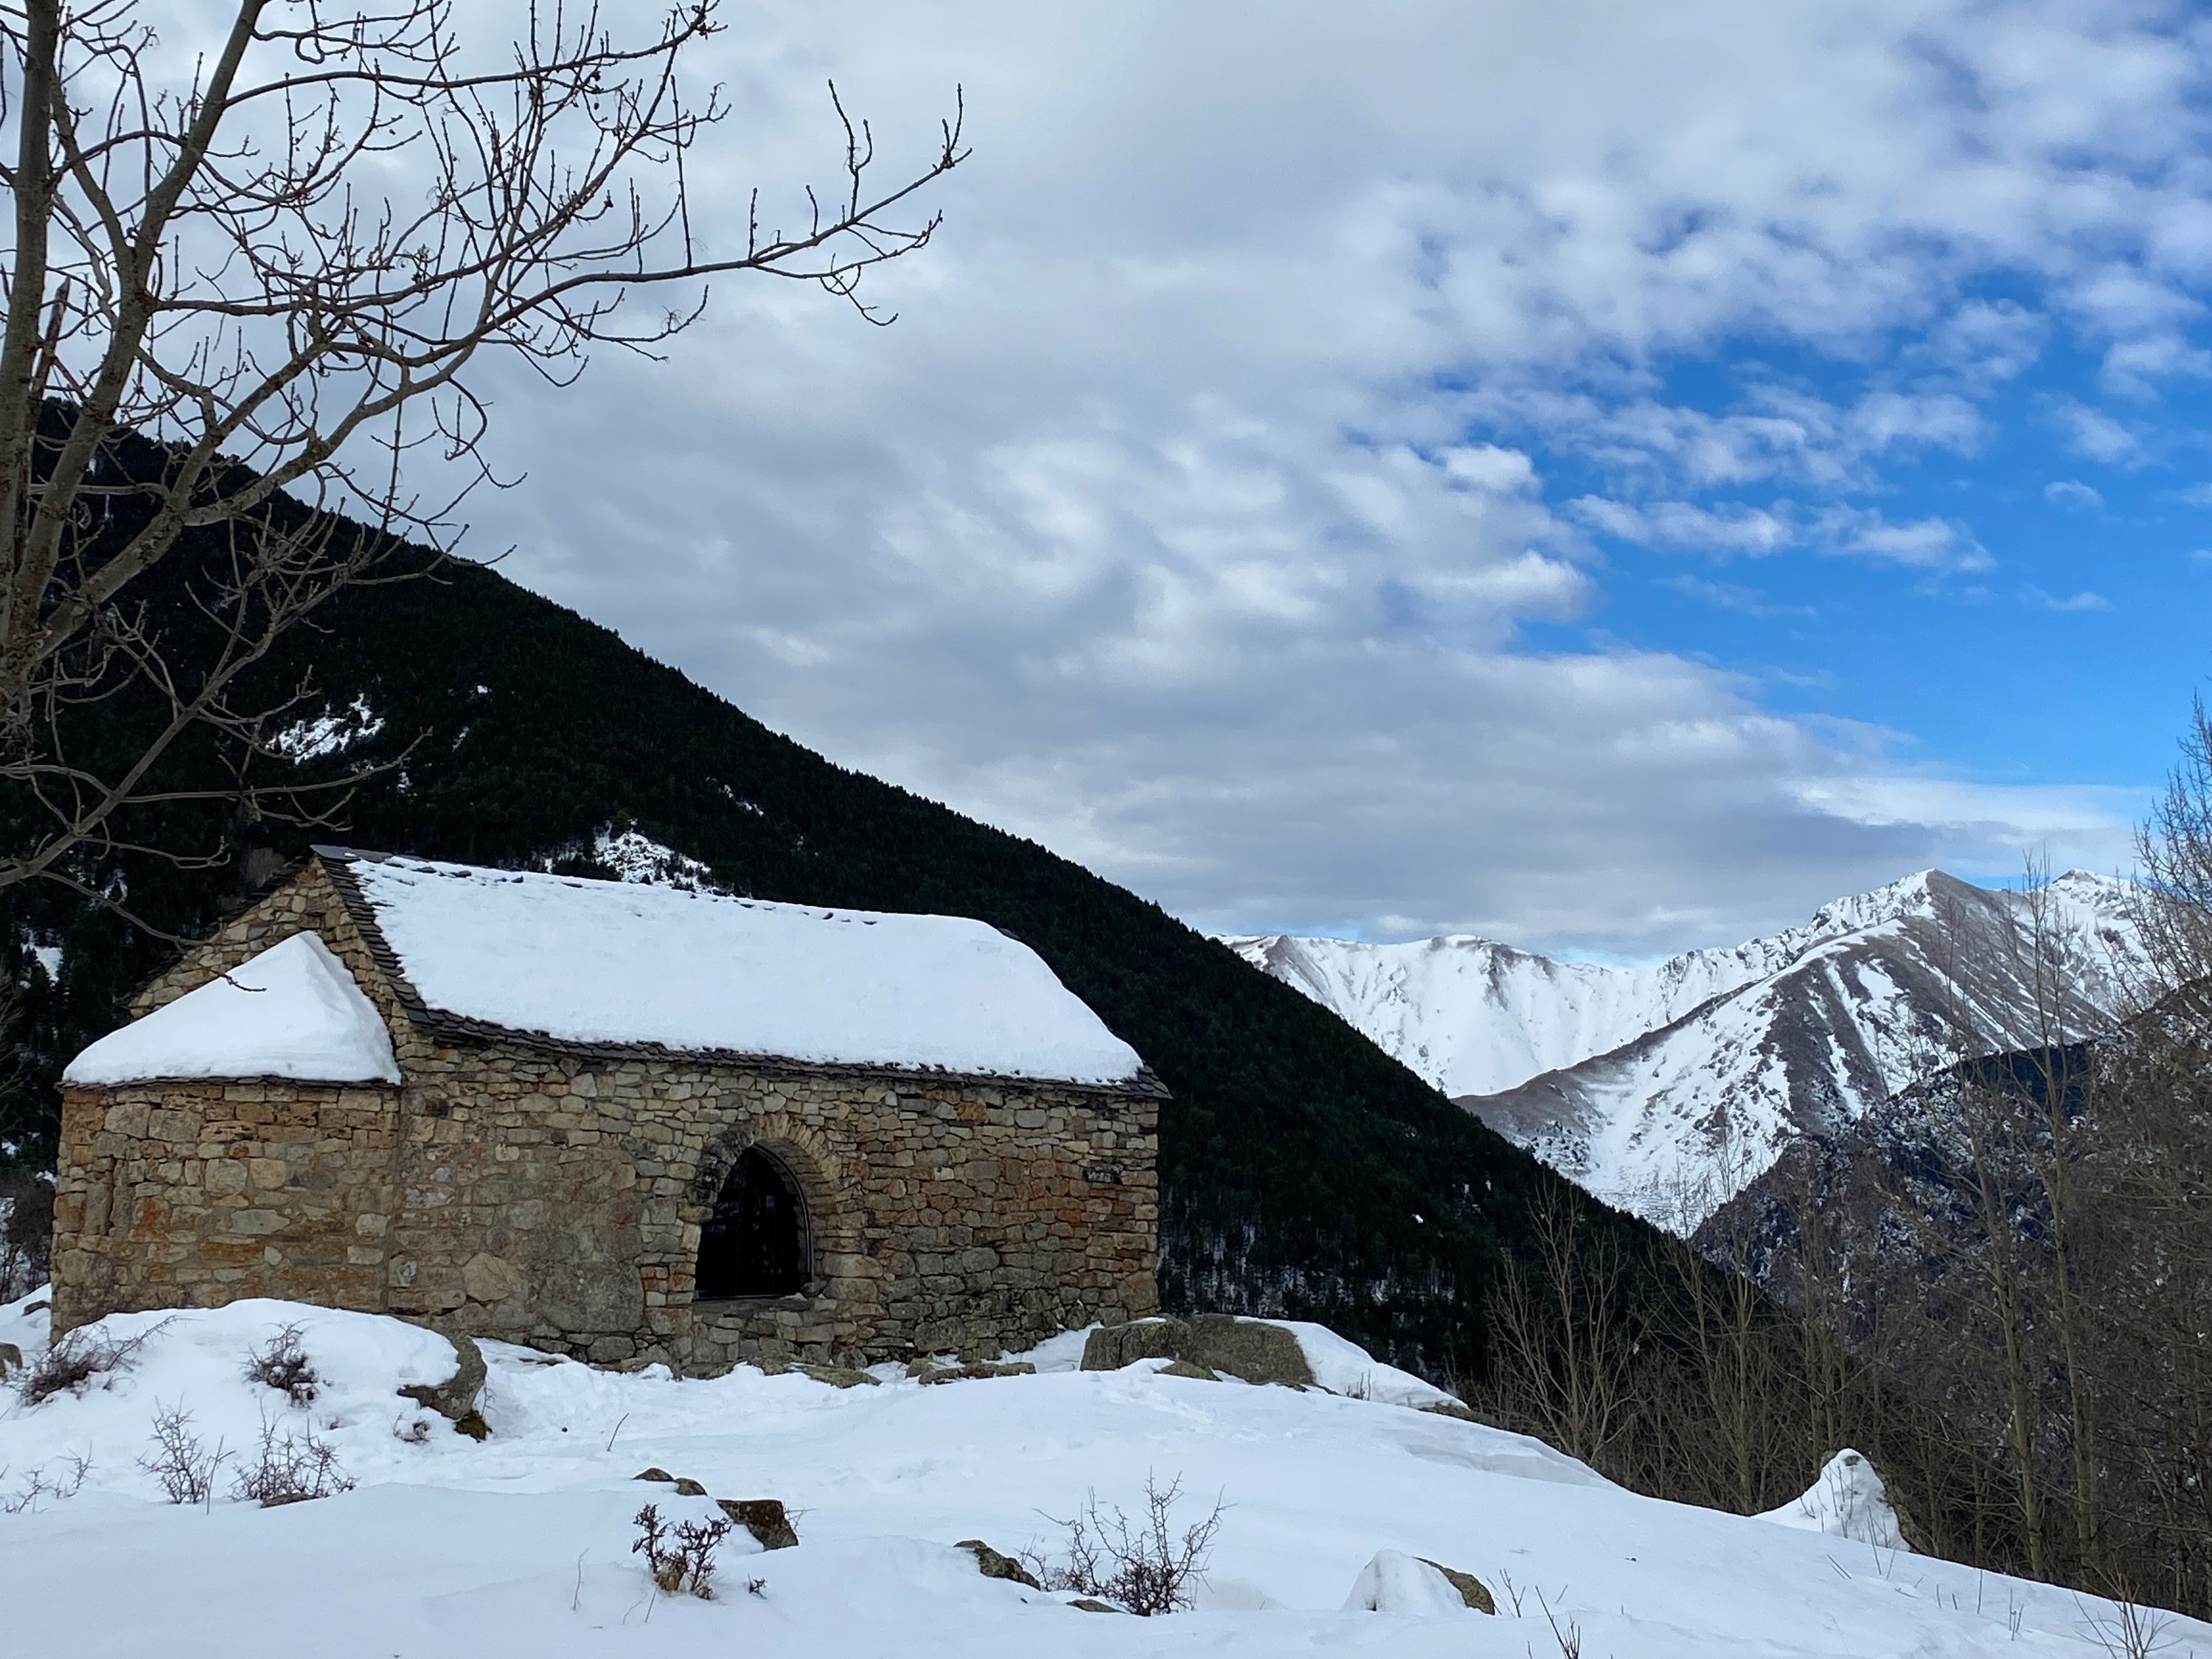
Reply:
x=605 y=962
x=293 y=1011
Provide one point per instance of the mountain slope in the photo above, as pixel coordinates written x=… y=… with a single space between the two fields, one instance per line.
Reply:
x=1474 y=1016
x=1304 y=1172
x=1693 y=1076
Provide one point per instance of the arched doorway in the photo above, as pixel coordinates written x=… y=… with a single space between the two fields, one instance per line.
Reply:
x=754 y=1240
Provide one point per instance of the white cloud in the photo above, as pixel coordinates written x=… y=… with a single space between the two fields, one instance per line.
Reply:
x=1927 y=544
x=1730 y=529
x=2083 y=600
x=2094 y=436
x=2072 y=494
x=1194 y=519
x=1729 y=596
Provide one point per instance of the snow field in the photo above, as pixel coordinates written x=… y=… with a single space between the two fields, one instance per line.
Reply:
x=520 y=1545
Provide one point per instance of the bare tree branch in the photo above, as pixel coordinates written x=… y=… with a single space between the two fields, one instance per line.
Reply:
x=288 y=269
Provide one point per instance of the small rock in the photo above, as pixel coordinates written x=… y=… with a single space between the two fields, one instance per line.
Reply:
x=472 y=1423
x=1112 y=1347
x=841 y=1377
x=1090 y=1605
x=992 y=1564
x=983 y=1369
x=1184 y=1368
x=1451 y=1408
x=655 y=1474
x=763 y=1517
x=687 y=1488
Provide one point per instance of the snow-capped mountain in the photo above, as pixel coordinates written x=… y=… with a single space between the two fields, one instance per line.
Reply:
x=1665 y=1088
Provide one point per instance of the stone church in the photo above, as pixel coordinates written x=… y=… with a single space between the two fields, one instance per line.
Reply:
x=618 y=1120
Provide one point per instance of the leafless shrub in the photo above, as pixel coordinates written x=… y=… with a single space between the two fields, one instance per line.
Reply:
x=184 y=1463
x=1511 y=1591
x=682 y=1557
x=289 y=1468
x=1139 y=1565
x=27 y=1229
x=1568 y=1636
x=37 y=1483
x=281 y=1364
x=70 y=1365
x=2125 y=1629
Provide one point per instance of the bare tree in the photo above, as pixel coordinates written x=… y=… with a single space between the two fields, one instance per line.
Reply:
x=1567 y=1349
x=286 y=261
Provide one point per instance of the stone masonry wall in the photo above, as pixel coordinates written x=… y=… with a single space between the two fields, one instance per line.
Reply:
x=554 y=1196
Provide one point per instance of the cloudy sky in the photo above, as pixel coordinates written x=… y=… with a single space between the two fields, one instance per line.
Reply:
x=1602 y=475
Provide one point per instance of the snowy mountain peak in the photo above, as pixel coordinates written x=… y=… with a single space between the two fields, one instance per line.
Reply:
x=1664 y=1088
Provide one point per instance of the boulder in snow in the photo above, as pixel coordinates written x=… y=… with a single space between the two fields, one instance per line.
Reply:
x=1394 y=1582
x=992 y=1564
x=1846 y=1501
x=455 y=1399
x=1257 y=1349
x=763 y=1517
x=1296 y=1353
x=1110 y=1347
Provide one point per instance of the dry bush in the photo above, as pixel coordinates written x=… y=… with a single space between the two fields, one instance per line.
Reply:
x=1142 y=1565
x=2128 y=1629
x=70 y=1365
x=184 y=1463
x=281 y=1364
x=682 y=1557
x=37 y=1483
x=289 y=1468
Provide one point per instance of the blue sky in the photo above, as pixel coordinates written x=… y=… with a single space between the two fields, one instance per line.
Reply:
x=2066 y=653
x=1606 y=477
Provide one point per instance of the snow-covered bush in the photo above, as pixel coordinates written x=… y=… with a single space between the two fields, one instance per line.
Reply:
x=681 y=1557
x=281 y=1364
x=1140 y=1566
x=70 y=1365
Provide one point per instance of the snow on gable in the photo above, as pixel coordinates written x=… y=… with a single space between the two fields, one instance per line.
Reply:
x=586 y=960
x=294 y=1011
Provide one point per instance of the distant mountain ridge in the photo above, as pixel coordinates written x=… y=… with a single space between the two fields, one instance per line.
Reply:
x=1663 y=1089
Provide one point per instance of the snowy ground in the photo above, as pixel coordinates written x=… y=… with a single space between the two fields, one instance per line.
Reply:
x=520 y=1545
